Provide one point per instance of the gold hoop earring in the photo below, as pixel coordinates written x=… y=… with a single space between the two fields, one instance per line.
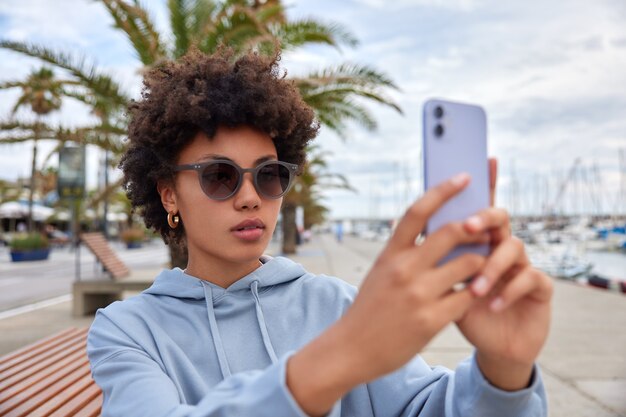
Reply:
x=173 y=219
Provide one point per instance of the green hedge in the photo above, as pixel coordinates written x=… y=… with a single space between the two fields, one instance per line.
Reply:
x=29 y=241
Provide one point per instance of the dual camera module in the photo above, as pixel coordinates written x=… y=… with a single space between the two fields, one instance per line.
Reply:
x=439 y=130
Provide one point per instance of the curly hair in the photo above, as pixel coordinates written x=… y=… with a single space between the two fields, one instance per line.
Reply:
x=200 y=93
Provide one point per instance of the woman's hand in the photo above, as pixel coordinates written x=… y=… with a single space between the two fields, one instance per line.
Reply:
x=508 y=324
x=405 y=300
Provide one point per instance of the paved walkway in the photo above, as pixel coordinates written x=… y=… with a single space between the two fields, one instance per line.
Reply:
x=583 y=363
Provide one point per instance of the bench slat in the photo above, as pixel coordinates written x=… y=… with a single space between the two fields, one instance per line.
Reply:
x=59 y=403
x=67 y=383
x=28 y=377
x=18 y=398
x=92 y=409
x=41 y=353
x=33 y=364
x=87 y=403
x=50 y=378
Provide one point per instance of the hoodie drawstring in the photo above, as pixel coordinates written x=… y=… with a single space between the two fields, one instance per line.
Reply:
x=217 y=340
x=261 y=320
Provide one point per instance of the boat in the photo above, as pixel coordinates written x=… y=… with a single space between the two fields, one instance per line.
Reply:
x=559 y=263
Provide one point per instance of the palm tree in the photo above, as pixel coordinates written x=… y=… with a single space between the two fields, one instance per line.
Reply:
x=246 y=25
x=206 y=24
x=306 y=193
x=98 y=91
x=41 y=92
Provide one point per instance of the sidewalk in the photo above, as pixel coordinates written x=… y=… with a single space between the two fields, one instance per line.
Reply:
x=583 y=363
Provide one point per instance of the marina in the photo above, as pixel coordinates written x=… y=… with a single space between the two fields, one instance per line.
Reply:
x=578 y=250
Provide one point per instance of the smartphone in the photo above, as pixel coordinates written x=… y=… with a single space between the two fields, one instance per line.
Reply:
x=455 y=141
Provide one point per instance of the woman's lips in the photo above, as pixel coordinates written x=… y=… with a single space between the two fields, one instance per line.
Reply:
x=249 y=230
x=249 y=234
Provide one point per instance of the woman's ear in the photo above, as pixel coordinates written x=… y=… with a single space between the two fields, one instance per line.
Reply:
x=168 y=196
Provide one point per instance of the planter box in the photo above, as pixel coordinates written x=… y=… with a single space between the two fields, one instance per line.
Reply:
x=30 y=255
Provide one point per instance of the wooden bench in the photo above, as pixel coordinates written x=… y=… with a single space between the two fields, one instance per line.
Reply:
x=88 y=296
x=50 y=378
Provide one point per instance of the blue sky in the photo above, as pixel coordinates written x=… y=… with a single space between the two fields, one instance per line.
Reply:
x=551 y=75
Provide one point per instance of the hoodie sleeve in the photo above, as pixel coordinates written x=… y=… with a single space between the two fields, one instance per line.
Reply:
x=418 y=390
x=134 y=384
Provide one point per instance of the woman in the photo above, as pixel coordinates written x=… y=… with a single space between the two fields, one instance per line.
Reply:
x=214 y=145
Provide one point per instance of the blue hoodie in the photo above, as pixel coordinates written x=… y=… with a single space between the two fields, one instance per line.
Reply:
x=186 y=347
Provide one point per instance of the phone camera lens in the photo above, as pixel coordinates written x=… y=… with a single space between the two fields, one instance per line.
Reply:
x=438 y=112
x=439 y=130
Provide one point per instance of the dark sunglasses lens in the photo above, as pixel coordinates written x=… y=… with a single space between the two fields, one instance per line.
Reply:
x=273 y=180
x=219 y=180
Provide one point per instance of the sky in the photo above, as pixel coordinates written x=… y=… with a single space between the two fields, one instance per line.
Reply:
x=550 y=75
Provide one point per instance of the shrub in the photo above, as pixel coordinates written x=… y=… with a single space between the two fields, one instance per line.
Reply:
x=29 y=241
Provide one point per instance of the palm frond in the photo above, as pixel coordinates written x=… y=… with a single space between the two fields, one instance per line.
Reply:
x=204 y=24
x=14 y=124
x=201 y=13
x=21 y=131
x=336 y=182
x=104 y=141
x=21 y=101
x=88 y=75
x=271 y=13
x=52 y=152
x=351 y=74
x=136 y=23
x=297 y=33
x=17 y=139
x=331 y=92
x=241 y=21
x=101 y=195
x=180 y=14
x=11 y=84
x=90 y=136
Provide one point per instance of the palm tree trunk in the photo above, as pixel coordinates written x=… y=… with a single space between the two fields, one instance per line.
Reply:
x=33 y=172
x=289 y=228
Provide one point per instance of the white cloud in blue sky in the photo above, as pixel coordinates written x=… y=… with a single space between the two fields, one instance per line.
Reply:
x=551 y=75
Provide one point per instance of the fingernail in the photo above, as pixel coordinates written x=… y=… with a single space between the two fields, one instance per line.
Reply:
x=497 y=304
x=460 y=179
x=474 y=222
x=480 y=284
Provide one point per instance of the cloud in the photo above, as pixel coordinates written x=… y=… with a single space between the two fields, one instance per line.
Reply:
x=619 y=42
x=549 y=74
x=400 y=5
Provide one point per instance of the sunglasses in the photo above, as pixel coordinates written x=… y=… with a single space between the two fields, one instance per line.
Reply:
x=221 y=179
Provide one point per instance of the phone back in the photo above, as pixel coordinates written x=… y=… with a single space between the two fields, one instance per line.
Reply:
x=455 y=141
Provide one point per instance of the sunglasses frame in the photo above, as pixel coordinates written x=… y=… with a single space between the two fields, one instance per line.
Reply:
x=200 y=167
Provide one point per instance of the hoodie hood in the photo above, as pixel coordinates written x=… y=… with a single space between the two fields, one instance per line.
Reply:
x=176 y=283
x=273 y=271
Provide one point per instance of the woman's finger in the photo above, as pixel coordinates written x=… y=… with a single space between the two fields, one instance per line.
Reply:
x=508 y=254
x=446 y=238
x=414 y=221
x=453 y=306
x=493 y=178
x=458 y=270
x=490 y=218
x=495 y=220
x=527 y=281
